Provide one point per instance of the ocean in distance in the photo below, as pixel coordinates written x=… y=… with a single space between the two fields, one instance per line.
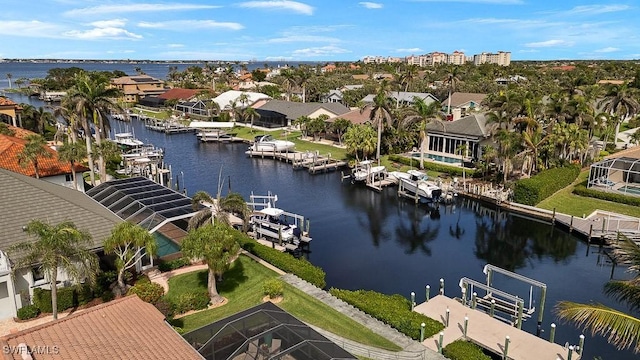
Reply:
x=376 y=241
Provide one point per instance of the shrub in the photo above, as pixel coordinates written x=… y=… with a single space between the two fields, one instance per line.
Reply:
x=103 y=282
x=165 y=307
x=147 y=291
x=165 y=266
x=582 y=190
x=273 y=288
x=394 y=310
x=464 y=350
x=429 y=165
x=84 y=294
x=539 y=187
x=28 y=312
x=107 y=296
x=42 y=299
x=192 y=300
x=283 y=261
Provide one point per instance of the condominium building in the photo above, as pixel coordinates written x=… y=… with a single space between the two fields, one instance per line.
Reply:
x=381 y=59
x=502 y=58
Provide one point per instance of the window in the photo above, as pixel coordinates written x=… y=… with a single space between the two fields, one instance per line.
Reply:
x=68 y=177
x=38 y=274
x=4 y=291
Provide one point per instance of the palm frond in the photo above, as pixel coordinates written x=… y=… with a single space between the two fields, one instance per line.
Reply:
x=627 y=291
x=622 y=330
x=628 y=251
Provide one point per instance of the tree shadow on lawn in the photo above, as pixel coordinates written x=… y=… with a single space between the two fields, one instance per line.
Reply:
x=232 y=278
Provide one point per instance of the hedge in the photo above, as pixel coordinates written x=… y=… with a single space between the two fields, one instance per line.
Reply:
x=429 y=165
x=283 y=261
x=66 y=299
x=165 y=266
x=464 y=350
x=28 y=312
x=539 y=187
x=393 y=310
x=191 y=300
x=582 y=190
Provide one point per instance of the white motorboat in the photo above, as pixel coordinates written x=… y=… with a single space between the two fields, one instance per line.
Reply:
x=272 y=223
x=127 y=140
x=214 y=135
x=366 y=171
x=268 y=143
x=419 y=185
x=144 y=151
x=397 y=175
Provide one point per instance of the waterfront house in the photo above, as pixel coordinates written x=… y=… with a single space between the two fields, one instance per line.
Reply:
x=444 y=138
x=176 y=94
x=197 y=108
x=25 y=199
x=126 y=328
x=137 y=87
x=281 y=113
x=50 y=169
x=403 y=97
x=10 y=112
x=242 y=99
x=463 y=103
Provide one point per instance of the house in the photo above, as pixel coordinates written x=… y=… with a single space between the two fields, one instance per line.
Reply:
x=510 y=79
x=355 y=116
x=197 y=108
x=403 y=97
x=444 y=138
x=10 y=112
x=126 y=328
x=281 y=113
x=462 y=104
x=328 y=68
x=25 y=198
x=50 y=169
x=137 y=87
x=226 y=99
x=336 y=95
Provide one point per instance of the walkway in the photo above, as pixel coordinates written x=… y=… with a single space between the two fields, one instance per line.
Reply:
x=412 y=349
x=488 y=332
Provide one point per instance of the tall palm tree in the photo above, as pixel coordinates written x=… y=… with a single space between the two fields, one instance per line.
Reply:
x=94 y=100
x=73 y=153
x=57 y=247
x=360 y=140
x=67 y=111
x=620 y=100
x=422 y=114
x=9 y=76
x=217 y=209
x=288 y=81
x=251 y=114
x=380 y=112
x=452 y=80
x=34 y=150
x=42 y=117
x=622 y=329
x=303 y=75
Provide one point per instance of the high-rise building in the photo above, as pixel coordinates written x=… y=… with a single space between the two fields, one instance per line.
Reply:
x=502 y=58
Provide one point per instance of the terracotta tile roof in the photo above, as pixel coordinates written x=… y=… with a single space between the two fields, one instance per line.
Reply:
x=20 y=132
x=355 y=116
x=11 y=146
x=180 y=94
x=127 y=328
x=6 y=101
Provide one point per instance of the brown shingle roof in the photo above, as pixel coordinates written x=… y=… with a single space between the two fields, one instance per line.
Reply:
x=460 y=98
x=179 y=94
x=356 y=116
x=11 y=146
x=127 y=328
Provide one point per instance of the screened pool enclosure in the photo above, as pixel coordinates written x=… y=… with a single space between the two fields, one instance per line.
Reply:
x=616 y=174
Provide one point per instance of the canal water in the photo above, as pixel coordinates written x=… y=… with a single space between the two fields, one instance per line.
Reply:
x=376 y=241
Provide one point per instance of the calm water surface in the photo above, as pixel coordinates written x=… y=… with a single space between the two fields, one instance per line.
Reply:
x=368 y=240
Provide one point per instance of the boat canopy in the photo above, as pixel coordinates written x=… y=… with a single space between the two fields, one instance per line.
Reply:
x=271 y=211
x=210 y=125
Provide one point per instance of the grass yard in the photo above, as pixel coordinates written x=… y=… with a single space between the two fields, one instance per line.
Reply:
x=242 y=286
x=564 y=201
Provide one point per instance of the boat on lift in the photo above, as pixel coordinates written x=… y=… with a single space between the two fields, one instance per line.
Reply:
x=418 y=184
x=268 y=143
x=366 y=171
x=276 y=225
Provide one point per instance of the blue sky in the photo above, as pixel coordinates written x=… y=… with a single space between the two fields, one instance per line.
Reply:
x=323 y=30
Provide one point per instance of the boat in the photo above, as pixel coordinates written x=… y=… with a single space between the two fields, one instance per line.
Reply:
x=365 y=171
x=276 y=225
x=126 y=140
x=268 y=143
x=214 y=135
x=397 y=175
x=143 y=151
x=419 y=185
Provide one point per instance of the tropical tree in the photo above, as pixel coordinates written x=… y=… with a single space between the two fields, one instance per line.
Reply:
x=57 y=247
x=34 y=150
x=94 y=100
x=288 y=81
x=214 y=245
x=73 y=153
x=217 y=209
x=302 y=123
x=340 y=126
x=9 y=76
x=302 y=76
x=251 y=114
x=622 y=329
x=452 y=80
x=42 y=117
x=635 y=137
x=360 y=141
x=317 y=125
x=6 y=130
x=129 y=243
x=380 y=112
x=422 y=113
x=620 y=100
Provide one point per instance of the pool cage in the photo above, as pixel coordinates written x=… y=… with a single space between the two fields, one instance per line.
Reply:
x=616 y=174
x=263 y=332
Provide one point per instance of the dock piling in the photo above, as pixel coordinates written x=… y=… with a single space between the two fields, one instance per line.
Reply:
x=552 y=333
x=581 y=344
x=464 y=296
x=446 y=318
x=441 y=286
x=413 y=300
x=571 y=224
x=427 y=290
x=570 y=353
x=506 y=348
x=440 y=342
x=422 y=331
x=474 y=300
x=520 y=310
x=492 y=311
x=466 y=325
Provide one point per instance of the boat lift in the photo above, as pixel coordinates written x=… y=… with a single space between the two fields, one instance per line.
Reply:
x=260 y=202
x=503 y=302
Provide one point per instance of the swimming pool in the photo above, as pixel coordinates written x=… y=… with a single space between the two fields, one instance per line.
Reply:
x=629 y=189
x=441 y=158
x=165 y=245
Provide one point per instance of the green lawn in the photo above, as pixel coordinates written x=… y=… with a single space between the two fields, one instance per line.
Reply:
x=242 y=286
x=564 y=201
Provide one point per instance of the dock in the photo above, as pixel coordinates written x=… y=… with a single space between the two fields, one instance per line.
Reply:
x=487 y=332
x=313 y=162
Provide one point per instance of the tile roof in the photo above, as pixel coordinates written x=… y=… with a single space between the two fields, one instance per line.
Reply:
x=460 y=98
x=355 y=116
x=4 y=101
x=25 y=198
x=11 y=146
x=404 y=96
x=294 y=110
x=179 y=93
x=127 y=328
x=474 y=125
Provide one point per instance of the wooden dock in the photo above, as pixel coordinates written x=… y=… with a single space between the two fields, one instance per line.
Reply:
x=313 y=162
x=488 y=332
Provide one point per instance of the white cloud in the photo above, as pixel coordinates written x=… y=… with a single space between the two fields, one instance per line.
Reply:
x=29 y=29
x=410 y=50
x=302 y=38
x=320 y=51
x=175 y=46
x=598 y=9
x=495 y=2
x=528 y=51
x=294 y=6
x=370 y=5
x=183 y=25
x=130 y=8
x=109 y=23
x=103 y=33
x=549 y=43
x=607 y=49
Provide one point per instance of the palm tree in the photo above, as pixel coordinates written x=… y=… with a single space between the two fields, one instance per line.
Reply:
x=288 y=81
x=73 y=153
x=216 y=247
x=622 y=329
x=251 y=114
x=380 y=112
x=360 y=140
x=67 y=111
x=57 y=247
x=94 y=100
x=635 y=137
x=303 y=75
x=340 y=126
x=422 y=114
x=42 y=117
x=34 y=150
x=218 y=208
x=9 y=76
x=129 y=243
x=452 y=79
x=620 y=100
